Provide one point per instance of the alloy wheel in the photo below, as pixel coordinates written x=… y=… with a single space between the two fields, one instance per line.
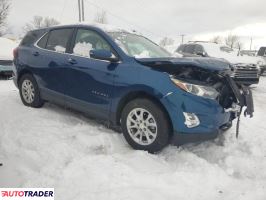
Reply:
x=142 y=126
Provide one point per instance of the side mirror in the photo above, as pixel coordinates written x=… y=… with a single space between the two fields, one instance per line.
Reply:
x=200 y=53
x=103 y=54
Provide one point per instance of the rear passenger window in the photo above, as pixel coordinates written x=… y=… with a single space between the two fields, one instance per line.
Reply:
x=43 y=41
x=58 y=40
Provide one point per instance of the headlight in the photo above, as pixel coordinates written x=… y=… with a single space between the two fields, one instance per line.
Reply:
x=199 y=90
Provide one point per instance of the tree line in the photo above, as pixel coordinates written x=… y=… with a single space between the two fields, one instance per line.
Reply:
x=37 y=21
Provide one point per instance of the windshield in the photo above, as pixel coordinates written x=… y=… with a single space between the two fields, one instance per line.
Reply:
x=138 y=46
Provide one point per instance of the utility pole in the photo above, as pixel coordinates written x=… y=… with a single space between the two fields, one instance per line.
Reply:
x=82 y=6
x=79 y=11
x=182 y=36
x=250 y=43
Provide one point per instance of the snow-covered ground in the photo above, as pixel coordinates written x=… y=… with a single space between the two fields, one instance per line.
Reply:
x=81 y=159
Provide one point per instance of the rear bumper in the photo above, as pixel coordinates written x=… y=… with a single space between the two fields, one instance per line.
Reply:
x=6 y=73
x=6 y=68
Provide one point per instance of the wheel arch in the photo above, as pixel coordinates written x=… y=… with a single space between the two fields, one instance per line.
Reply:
x=23 y=72
x=140 y=94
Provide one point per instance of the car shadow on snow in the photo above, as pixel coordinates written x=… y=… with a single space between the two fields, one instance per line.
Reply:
x=76 y=117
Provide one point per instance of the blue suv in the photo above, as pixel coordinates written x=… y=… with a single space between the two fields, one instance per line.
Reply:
x=129 y=81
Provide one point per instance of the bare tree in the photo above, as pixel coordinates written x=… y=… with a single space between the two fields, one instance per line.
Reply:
x=4 y=11
x=166 y=41
x=101 y=17
x=40 y=22
x=216 y=39
x=232 y=40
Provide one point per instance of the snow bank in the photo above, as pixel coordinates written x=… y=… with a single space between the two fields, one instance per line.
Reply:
x=6 y=48
x=54 y=147
x=213 y=50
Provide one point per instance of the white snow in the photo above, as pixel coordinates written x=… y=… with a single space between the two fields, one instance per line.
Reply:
x=171 y=48
x=81 y=159
x=214 y=50
x=143 y=54
x=60 y=49
x=6 y=48
x=82 y=49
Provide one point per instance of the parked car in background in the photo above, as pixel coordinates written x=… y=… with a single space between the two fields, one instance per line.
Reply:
x=262 y=54
x=126 y=79
x=246 y=68
x=6 y=56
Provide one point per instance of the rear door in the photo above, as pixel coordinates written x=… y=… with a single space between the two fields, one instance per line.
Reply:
x=89 y=81
x=49 y=58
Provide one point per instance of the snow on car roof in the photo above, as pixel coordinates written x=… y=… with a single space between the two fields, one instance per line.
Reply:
x=6 y=50
x=108 y=27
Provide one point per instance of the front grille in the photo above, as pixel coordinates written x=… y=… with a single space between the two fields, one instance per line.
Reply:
x=246 y=71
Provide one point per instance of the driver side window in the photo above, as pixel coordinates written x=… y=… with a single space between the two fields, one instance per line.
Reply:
x=87 y=40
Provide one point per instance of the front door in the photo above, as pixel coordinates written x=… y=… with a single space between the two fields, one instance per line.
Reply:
x=89 y=81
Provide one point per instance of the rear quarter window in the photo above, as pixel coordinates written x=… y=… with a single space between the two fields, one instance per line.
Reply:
x=43 y=41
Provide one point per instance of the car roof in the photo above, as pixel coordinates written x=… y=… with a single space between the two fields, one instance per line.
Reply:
x=95 y=26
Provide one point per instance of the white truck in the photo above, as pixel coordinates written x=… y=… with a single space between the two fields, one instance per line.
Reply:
x=246 y=68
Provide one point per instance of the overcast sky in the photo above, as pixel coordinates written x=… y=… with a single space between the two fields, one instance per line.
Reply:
x=198 y=19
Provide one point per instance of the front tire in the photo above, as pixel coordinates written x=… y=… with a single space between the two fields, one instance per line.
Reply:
x=29 y=91
x=145 y=125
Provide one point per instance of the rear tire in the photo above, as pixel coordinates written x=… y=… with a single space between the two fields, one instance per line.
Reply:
x=29 y=91
x=145 y=125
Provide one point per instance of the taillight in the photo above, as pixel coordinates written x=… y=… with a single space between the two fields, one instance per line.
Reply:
x=15 y=53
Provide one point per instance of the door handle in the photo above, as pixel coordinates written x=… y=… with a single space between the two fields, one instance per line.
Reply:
x=36 y=53
x=72 y=61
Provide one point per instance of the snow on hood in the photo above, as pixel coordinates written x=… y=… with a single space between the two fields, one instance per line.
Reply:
x=6 y=48
x=213 y=50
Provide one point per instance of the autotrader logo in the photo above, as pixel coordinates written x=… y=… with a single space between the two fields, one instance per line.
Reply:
x=27 y=193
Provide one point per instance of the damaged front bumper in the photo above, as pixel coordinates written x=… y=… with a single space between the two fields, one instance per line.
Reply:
x=213 y=118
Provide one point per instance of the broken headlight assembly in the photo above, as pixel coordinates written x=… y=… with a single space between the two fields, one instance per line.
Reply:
x=199 y=90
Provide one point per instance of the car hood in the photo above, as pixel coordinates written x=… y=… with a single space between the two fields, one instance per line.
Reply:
x=170 y=64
